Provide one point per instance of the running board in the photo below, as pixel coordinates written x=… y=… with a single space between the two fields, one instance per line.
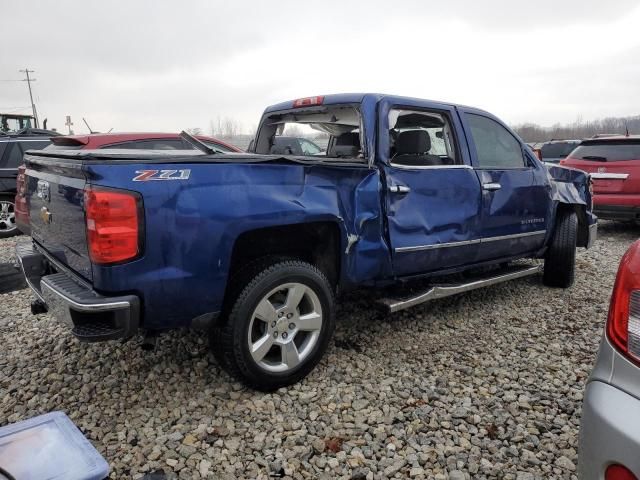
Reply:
x=441 y=291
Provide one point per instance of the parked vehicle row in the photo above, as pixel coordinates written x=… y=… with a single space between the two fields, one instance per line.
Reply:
x=13 y=146
x=255 y=246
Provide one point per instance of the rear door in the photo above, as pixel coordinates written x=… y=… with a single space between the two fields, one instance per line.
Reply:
x=55 y=194
x=515 y=189
x=433 y=194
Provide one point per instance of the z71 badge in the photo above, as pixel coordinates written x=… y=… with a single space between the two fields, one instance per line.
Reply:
x=148 y=175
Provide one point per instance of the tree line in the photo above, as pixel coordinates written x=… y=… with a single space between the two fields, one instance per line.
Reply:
x=579 y=129
x=229 y=128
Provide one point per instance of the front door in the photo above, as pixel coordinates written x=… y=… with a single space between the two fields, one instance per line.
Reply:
x=433 y=194
x=515 y=190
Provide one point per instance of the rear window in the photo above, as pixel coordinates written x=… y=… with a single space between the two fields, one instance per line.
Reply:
x=324 y=131
x=557 y=150
x=612 y=151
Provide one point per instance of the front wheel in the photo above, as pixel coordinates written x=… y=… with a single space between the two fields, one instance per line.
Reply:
x=278 y=326
x=560 y=259
x=7 y=218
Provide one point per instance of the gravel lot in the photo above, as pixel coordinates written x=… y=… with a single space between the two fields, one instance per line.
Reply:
x=484 y=385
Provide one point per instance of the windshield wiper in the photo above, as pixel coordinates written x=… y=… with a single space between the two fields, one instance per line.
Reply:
x=197 y=144
x=597 y=158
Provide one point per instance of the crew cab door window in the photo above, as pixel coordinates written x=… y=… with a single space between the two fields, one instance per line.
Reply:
x=420 y=138
x=496 y=147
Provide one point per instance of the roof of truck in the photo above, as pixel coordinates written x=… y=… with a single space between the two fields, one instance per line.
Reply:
x=338 y=98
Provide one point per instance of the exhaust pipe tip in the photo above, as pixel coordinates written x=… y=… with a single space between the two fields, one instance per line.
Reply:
x=38 y=307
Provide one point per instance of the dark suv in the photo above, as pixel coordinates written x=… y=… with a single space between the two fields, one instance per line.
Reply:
x=12 y=148
x=555 y=150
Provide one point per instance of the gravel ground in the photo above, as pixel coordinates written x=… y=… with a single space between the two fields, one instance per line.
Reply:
x=483 y=385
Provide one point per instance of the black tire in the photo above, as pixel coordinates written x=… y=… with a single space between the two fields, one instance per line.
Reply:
x=560 y=259
x=229 y=339
x=6 y=232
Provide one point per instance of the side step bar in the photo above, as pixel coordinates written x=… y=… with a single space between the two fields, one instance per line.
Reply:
x=446 y=290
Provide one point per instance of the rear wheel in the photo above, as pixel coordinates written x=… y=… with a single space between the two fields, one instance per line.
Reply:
x=278 y=327
x=7 y=218
x=560 y=259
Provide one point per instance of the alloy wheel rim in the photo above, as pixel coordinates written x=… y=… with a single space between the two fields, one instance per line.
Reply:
x=285 y=327
x=7 y=216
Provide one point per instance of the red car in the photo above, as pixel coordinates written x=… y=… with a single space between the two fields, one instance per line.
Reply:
x=614 y=165
x=138 y=141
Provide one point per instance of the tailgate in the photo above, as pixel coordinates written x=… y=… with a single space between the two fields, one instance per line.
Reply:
x=612 y=177
x=55 y=191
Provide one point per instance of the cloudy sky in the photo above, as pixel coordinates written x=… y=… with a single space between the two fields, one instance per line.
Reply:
x=169 y=65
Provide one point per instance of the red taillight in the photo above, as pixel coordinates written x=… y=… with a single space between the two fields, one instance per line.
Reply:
x=623 y=322
x=21 y=208
x=308 y=101
x=113 y=225
x=618 y=472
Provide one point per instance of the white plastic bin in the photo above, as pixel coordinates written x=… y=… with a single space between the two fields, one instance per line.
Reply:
x=49 y=447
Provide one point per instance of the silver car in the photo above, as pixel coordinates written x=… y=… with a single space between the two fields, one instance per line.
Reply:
x=610 y=426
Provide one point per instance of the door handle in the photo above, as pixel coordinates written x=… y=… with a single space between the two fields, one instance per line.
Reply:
x=491 y=187
x=399 y=189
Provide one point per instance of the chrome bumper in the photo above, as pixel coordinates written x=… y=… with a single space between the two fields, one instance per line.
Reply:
x=93 y=317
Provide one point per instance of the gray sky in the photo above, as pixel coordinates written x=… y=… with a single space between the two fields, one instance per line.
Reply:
x=170 y=65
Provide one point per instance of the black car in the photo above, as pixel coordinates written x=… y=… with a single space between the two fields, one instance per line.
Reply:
x=555 y=150
x=12 y=148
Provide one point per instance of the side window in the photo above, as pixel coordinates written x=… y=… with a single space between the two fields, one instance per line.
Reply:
x=34 y=145
x=496 y=147
x=13 y=158
x=418 y=138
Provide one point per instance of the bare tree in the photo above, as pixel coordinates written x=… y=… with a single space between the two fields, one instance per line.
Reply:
x=530 y=132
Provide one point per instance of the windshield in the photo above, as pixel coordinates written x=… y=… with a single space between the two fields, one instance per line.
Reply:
x=557 y=150
x=326 y=131
x=612 y=151
x=13 y=123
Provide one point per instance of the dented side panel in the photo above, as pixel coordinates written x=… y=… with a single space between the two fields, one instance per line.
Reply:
x=191 y=227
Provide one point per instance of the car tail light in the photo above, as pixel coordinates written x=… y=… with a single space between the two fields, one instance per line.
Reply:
x=113 y=225
x=21 y=206
x=623 y=322
x=618 y=472
x=308 y=101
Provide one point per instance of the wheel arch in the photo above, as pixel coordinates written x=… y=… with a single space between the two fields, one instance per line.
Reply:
x=583 y=221
x=319 y=243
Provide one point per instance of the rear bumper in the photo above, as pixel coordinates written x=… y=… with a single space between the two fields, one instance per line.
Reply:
x=617 y=212
x=91 y=316
x=609 y=431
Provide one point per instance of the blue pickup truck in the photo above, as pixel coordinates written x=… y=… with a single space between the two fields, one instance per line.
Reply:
x=255 y=246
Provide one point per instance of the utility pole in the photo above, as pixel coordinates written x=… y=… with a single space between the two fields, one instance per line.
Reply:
x=33 y=105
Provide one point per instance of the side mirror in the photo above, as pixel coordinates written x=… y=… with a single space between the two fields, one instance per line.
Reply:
x=251 y=145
